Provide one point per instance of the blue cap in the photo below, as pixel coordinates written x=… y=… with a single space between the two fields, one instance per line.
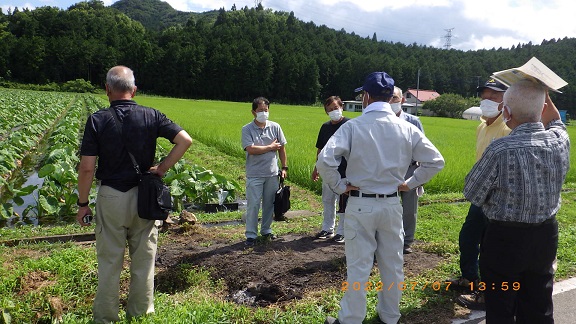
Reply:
x=378 y=84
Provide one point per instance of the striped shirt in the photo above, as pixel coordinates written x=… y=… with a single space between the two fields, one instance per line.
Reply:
x=519 y=177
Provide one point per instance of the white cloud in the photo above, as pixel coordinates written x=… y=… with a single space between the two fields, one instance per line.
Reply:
x=6 y=7
x=521 y=20
x=489 y=42
x=205 y=5
x=382 y=5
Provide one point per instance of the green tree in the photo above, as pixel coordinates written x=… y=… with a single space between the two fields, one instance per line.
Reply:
x=448 y=105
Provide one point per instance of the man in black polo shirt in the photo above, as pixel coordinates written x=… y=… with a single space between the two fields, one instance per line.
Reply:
x=117 y=218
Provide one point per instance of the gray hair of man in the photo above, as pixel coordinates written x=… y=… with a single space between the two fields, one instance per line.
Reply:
x=525 y=99
x=398 y=91
x=120 y=79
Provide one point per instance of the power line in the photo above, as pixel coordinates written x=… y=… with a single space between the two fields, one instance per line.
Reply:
x=448 y=38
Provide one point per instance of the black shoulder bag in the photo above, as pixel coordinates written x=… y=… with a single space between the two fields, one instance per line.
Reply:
x=154 y=200
x=281 y=201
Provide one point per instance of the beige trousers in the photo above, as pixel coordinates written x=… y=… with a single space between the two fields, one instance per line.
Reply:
x=117 y=222
x=373 y=227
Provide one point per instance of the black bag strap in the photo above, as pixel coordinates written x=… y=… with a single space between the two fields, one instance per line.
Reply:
x=281 y=182
x=118 y=125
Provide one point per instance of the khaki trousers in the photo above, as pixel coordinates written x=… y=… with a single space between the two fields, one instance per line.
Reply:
x=117 y=222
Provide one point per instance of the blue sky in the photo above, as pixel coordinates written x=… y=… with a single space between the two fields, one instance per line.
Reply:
x=472 y=24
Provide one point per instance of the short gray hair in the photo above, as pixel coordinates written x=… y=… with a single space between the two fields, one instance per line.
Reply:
x=120 y=79
x=398 y=90
x=525 y=99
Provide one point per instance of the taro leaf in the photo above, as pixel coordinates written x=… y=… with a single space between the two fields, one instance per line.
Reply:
x=50 y=204
x=18 y=193
x=59 y=175
x=27 y=190
x=6 y=211
x=176 y=189
x=27 y=211
x=57 y=155
x=46 y=170
x=18 y=200
x=206 y=175
x=69 y=173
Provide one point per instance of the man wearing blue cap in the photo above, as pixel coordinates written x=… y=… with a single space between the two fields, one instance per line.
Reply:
x=379 y=147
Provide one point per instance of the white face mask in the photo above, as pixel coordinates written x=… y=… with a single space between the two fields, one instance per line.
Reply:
x=262 y=116
x=489 y=108
x=335 y=115
x=396 y=107
x=506 y=120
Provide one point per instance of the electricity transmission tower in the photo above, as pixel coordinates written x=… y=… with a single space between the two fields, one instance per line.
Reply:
x=448 y=38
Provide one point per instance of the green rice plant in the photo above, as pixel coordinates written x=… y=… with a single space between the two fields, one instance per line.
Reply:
x=218 y=124
x=567 y=235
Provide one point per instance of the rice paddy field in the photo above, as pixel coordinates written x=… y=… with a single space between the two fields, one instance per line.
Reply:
x=218 y=124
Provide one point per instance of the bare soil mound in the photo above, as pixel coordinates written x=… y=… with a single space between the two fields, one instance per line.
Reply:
x=272 y=272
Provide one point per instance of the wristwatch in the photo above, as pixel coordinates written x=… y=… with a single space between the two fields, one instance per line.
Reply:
x=285 y=168
x=82 y=204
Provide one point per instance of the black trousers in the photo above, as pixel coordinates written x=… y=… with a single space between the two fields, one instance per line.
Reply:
x=516 y=267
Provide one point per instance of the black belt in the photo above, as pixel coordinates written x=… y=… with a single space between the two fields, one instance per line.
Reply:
x=521 y=224
x=356 y=193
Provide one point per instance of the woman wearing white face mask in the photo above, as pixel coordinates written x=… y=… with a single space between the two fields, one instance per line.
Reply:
x=333 y=108
x=264 y=143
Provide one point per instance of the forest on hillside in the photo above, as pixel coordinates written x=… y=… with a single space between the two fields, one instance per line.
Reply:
x=241 y=53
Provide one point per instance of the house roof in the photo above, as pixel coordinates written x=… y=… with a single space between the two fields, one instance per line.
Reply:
x=424 y=95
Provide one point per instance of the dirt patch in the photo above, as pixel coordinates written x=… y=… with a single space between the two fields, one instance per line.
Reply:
x=273 y=273
x=23 y=253
x=35 y=281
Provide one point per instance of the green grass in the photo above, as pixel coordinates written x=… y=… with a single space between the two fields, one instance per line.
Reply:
x=21 y=232
x=68 y=272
